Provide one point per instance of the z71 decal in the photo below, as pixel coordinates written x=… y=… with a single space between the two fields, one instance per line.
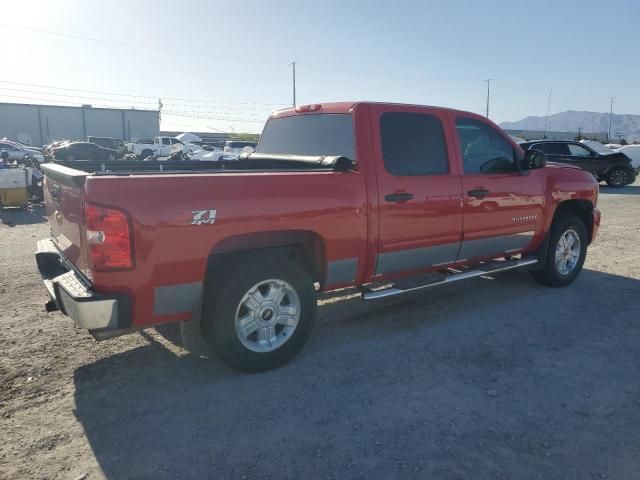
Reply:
x=203 y=217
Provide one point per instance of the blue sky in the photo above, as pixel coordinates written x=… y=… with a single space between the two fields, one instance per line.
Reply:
x=224 y=65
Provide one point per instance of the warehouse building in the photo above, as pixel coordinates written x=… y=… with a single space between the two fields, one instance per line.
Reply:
x=42 y=124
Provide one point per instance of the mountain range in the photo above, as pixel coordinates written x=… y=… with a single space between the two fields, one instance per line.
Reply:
x=626 y=125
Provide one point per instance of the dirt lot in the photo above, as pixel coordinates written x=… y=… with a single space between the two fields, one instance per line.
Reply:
x=492 y=378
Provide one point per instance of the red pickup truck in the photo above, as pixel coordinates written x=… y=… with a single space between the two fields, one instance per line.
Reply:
x=388 y=198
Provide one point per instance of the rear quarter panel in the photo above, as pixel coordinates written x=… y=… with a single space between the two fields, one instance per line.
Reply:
x=170 y=250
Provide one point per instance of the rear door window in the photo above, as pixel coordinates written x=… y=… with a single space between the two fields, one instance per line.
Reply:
x=552 y=148
x=578 y=150
x=413 y=144
x=312 y=134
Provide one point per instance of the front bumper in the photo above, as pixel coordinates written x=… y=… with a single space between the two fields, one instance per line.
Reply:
x=72 y=294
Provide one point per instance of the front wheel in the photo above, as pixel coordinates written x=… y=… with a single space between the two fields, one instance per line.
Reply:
x=566 y=252
x=618 y=178
x=261 y=316
x=146 y=153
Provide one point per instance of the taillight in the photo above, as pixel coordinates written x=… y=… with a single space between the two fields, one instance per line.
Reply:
x=108 y=238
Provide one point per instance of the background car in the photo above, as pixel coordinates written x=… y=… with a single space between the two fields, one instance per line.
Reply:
x=17 y=151
x=83 y=151
x=633 y=152
x=614 y=168
x=109 y=142
x=235 y=146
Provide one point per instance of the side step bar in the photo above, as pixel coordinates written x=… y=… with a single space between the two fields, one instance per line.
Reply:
x=447 y=276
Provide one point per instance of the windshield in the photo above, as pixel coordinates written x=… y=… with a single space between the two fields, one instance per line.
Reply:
x=318 y=134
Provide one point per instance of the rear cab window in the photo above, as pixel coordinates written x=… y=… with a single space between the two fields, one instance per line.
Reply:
x=413 y=144
x=324 y=134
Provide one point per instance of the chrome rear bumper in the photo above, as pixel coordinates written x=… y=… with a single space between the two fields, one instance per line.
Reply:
x=73 y=296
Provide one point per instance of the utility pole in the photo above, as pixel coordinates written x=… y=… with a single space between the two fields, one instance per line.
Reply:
x=293 y=65
x=488 y=80
x=160 y=109
x=610 y=117
x=546 y=119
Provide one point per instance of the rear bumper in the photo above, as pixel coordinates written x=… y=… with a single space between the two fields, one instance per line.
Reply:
x=102 y=314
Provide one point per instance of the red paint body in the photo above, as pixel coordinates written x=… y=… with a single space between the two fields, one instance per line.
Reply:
x=344 y=212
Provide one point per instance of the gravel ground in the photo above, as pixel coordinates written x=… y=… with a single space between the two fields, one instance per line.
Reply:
x=491 y=378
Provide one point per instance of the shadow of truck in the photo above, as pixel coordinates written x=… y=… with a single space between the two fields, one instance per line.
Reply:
x=483 y=378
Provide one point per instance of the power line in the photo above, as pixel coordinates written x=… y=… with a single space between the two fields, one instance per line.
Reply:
x=154 y=97
x=83 y=99
x=144 y=47
x=184 y=113
x=206 y=117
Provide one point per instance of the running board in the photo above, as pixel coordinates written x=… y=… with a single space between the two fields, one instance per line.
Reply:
x=447 y=276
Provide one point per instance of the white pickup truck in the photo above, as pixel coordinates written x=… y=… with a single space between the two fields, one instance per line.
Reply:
x=161 y=146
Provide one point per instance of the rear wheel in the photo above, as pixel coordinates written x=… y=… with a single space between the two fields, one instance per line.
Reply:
x=566 y=252
x=262 y=316
x=618 y=177
x=146 y=153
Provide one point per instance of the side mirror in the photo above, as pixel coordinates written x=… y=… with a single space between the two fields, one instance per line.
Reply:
x=533 y=159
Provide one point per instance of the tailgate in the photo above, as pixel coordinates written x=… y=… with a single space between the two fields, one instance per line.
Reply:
x=64 y=201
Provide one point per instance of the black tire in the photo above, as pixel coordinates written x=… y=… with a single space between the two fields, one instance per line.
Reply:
x=222 y=299
x=146 y=153
x=618 y=177
x=550 y=274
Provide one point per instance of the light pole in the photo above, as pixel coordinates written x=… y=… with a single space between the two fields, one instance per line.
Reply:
x=488 y=80
x=610 y=117
x=293 y=66
x=546 y=119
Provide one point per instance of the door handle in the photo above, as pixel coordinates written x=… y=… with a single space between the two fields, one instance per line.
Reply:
x=478 y=193
x=398 y=197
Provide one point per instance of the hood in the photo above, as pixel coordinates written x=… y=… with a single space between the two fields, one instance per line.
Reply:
x=187 y=137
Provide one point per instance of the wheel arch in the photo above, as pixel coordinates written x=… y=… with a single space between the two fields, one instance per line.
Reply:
x=305 y=246
x=579 y=207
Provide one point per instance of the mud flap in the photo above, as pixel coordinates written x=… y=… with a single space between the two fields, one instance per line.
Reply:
x=191 y=333
x=541 y=253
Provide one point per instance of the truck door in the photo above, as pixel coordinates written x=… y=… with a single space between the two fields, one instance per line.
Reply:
x=165 y=146
x=502 y=207
x=419 y=190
